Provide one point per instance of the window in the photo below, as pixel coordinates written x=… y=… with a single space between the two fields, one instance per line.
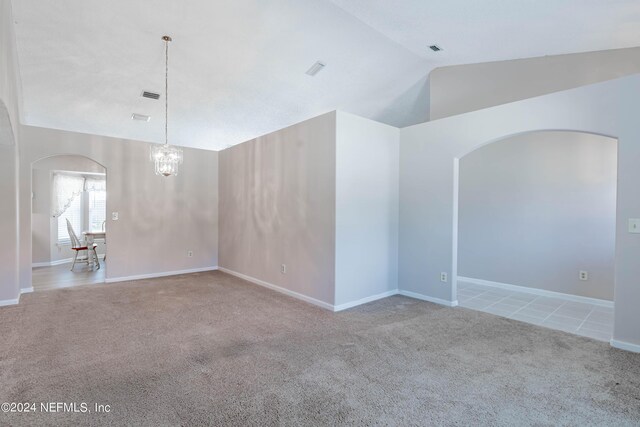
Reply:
x=86 y=210
x=97 y=209
x=74 y=215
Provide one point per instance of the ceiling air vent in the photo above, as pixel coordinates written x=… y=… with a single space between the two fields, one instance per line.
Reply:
x=141 y=117
x=315 y=69
x=150 y=95
x=435 y=48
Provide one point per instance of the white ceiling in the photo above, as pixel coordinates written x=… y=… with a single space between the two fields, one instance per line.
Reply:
x=237 y=68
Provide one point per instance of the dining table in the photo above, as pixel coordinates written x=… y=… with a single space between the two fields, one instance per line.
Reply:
x=90 y=236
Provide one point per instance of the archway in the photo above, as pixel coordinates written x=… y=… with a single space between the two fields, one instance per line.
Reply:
x=9 y=291
x=68 y=211
x=532 y=212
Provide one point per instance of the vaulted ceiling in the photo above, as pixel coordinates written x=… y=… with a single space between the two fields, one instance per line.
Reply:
x=237 y=68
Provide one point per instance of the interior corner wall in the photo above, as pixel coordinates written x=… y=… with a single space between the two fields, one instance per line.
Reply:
x=463 y=88
x=429 y=157
x=160 y=219
x=10 y=106
x=367 y=160
x=277 y=206
x=536 y=209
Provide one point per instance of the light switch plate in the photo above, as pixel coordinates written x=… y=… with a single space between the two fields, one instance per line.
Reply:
x=634 y=225
x=114 y=216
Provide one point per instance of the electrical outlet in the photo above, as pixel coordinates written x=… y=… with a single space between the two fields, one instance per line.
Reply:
x=283 y=269
x=584 y=275
x=190 y=254
x=114 y=216
x=443 y=277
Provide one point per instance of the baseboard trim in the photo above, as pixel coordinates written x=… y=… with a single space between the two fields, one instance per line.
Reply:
x=539 y=292
x=365 y=300
x=26 y=290
x=277 y=288
x=422 y=297
x=622 y=345
x=6 y=302
x=58 y=262
x=155 y=275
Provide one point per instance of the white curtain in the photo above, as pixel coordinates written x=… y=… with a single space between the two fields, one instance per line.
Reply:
x=93 y=183
x=65 y=189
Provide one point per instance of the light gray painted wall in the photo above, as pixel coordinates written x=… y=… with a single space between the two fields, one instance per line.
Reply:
x=366 y=208
x=464 y=88
x=428 y=160
x=277 y=206
x=44 y=228
x=10 y=108
x=160 y=218
x=536 y=208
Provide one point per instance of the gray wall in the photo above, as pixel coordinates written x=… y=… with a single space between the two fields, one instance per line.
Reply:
x=9 y=140
x=44 y=245
x=160 y=218
x=463 y=88
x=277 y=206
x=537 y=208
x=366 y=208
x=428 y=180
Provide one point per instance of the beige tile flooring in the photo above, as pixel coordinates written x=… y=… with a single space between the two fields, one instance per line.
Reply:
x=591 y=320
x=60 y=276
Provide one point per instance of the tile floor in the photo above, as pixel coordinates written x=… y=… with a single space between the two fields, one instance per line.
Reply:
x=580 y=318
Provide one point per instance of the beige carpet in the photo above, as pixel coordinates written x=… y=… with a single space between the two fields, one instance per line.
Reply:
x=210 y=349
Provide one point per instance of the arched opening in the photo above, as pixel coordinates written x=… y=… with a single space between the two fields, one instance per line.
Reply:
x=534 y=230
x=68 y=222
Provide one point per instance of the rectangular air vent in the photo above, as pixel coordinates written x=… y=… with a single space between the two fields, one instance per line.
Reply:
x=435 y=48
x=315 y=68
x=150 y=95
x=141 y=117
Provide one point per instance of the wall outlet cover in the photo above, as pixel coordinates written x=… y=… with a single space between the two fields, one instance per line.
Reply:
x=584 y=275
x=443 y=277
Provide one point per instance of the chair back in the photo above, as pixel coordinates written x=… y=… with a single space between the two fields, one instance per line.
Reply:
x=75 y=242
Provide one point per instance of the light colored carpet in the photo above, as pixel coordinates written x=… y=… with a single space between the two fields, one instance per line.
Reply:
x=210 y=349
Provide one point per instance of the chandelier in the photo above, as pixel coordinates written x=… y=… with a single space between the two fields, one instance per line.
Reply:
x=167 y=158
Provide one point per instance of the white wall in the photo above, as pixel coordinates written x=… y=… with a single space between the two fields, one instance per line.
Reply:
x=160 y=218
x=277 y=206
x=429 y=155
x=536 y=208
x=10 y=107
x=45 y=247
x=463 y=88
x=366 y=208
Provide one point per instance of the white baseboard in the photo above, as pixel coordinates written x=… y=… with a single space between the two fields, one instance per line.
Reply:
x=365 y=300
x=26 y=291
x=539 y=292
x=58 y=262
x=625 y=345
x=6 y=302
x=428 y=298
x=282 y=290
x=154 y=275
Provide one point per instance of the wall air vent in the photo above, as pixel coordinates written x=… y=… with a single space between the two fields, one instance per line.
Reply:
x=141 y=117
x=315 y=69
x=150 y=95
x=435 y=48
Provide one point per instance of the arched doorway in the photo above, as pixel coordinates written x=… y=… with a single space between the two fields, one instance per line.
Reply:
x=68 y=214
x=534 y=230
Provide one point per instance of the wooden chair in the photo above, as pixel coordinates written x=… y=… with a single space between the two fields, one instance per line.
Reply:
x=78 y=246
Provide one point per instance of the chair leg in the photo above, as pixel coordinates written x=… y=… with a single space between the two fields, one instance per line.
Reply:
x=95 y=255
x=74 y=261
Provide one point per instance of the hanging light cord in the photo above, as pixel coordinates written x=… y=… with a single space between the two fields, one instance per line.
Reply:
x=166 y=39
